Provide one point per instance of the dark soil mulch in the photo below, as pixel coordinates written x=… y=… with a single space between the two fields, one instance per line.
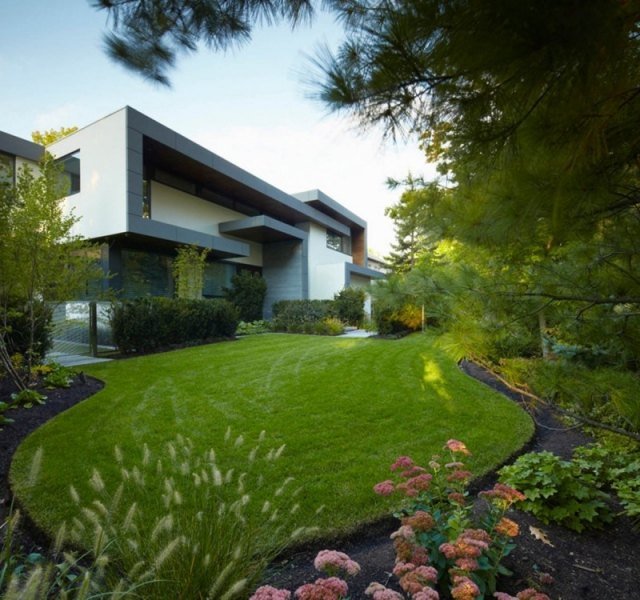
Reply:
x=26 y=420
x=603 y=564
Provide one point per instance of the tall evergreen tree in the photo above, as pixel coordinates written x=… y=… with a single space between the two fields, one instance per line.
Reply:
x=147 y=35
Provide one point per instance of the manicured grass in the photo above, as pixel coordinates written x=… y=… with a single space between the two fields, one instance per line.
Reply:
x=345 y=408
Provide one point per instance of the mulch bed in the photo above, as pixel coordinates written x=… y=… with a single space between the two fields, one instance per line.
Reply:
x=592 y=565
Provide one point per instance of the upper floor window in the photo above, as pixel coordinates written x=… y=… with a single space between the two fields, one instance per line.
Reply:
x=7 y=169
x=339 y=243
x=71 y=171
x=146 y=199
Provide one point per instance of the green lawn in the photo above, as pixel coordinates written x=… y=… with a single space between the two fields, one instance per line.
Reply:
x=345 y=408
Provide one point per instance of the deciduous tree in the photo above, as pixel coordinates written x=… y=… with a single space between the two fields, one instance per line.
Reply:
x=41 y=259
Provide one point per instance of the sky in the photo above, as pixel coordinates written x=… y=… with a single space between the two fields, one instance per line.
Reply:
x=250 y=105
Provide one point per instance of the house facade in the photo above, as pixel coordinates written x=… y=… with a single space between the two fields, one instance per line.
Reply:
x=141 y=191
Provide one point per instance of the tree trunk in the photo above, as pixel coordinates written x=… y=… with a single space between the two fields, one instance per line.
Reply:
x=544 y=342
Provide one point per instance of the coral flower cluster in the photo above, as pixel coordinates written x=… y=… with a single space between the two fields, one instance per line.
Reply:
x=438 y=540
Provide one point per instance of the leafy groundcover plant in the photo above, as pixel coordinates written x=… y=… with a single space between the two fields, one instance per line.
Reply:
x=571 y=493
x=442 y=551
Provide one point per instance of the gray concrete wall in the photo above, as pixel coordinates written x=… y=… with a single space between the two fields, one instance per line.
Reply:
x=285 y=271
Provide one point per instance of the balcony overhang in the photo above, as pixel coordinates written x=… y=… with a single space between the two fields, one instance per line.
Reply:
x=262 y=229
x=164 y=232
x=365 y=272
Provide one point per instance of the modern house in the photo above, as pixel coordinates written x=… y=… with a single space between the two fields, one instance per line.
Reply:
x=142 y=190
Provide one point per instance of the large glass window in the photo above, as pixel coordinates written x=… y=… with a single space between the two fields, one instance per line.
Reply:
x=216 y=277
x=339 y=243
x=146 y=273
x=71 y=171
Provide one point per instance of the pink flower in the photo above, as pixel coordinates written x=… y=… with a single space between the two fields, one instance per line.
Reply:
x=503 y=596
x=384 y=488
x=507 y=527
x=413 y=471
x=457 y=446
x=464 y=589
x=459 y=476
x=420 y=521
x=377 y=591
x=334 y=562
x=323 y=589
x=426 y=594
x=503 y=495
x=467 y=564
x=267 y=592
x=458 y=498
x=402 y=462
x=414 y=581
x=407 y=490
x=405 y=532
x=420 y=482
x=402 y=568
x=449 y=550
x=419 y=556
x=531 y=594
x=454 y=465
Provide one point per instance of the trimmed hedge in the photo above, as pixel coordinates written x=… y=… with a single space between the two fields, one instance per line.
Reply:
x=349 y=305
x=146 y=324
x=247 y=292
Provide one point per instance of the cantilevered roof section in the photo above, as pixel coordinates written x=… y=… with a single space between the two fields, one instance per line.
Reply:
x=19 y=147
x=219 y=179
x=262 y=229
x=351 y=269
x=319 y=200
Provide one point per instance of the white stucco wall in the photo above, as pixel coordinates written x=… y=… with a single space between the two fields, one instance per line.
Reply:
x=326 y=266
x=175 y=207
x=20 y=162
x=101 y=203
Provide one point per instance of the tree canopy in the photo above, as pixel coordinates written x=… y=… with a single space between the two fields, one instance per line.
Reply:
x=44 y=138
x=147 y=35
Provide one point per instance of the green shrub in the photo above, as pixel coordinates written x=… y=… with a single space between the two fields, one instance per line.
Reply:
x=253 y=327
x=18 y=330
x=328 y=326
x=300 y=316
x=27 y=398
x=390 y=321
x=558 y=491
x=147 y=324
x=247 y=292
x=58 y=376
x=617 y=468
x=606 y=394
x=3 y=408
x=349 y=306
